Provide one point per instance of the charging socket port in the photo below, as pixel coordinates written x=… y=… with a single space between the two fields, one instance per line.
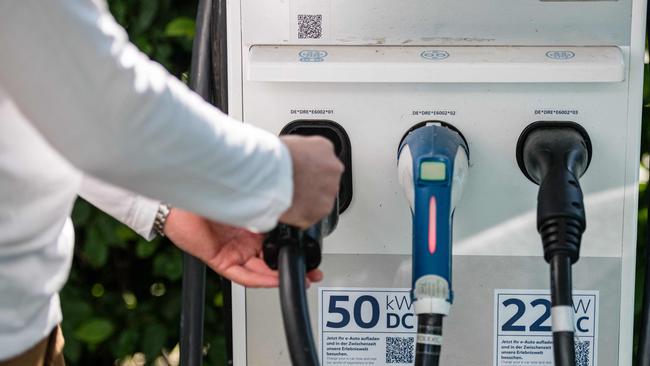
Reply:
x=337 y=135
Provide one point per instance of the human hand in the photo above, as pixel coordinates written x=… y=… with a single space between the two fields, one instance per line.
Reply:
x=234 y=253
x=316 y=178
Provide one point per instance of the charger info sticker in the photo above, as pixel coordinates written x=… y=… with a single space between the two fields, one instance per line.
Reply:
x=366 y=326
x=522 y=328
x=310 y=20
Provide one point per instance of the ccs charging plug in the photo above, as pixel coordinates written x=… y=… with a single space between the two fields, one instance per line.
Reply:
x=432 y=163
x=294 y=252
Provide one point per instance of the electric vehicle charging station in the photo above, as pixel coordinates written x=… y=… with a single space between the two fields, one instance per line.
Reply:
x=489 y=69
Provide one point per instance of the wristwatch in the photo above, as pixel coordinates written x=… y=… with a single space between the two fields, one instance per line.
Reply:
x=161 y=218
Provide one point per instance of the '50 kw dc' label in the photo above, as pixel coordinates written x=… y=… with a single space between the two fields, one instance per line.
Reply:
x=361 y=326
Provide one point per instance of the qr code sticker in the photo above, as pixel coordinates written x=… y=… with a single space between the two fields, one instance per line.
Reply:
x=399 y=349
x=583 y=353
x=310 y=26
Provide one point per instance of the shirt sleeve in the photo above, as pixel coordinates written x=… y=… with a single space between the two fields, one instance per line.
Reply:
x=122 y=118
x=133 y=210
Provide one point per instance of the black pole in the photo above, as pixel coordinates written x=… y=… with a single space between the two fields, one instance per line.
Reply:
x=191 y=342
x=219 y=59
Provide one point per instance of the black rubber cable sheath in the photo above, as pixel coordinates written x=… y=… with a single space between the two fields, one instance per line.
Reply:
x=201 y=68
x=561 y=281
x=226 y=289
x=191 y=341
x=428 y=354
x=193 y=292
x=295 y=313
x=220 y=55
x=561 y=295
x=219 y=61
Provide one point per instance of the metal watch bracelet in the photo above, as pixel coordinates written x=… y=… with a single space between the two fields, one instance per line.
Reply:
x=161 y=218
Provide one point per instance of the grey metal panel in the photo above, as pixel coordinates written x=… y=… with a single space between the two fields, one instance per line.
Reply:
x=497 y=212
x=472 y=316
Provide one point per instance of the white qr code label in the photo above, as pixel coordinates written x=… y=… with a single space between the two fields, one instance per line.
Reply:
x=310 y=20
x=522 y=328
x=310 y=26
x=366 y=326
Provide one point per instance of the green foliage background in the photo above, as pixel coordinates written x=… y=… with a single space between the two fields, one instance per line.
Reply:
x=123 y=295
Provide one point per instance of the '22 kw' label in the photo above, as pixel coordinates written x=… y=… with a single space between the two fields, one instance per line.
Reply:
x=523 y=334
x=366 y=326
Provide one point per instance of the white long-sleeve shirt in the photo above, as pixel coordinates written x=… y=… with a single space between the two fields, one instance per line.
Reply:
x=76 y=96
x=133 y=210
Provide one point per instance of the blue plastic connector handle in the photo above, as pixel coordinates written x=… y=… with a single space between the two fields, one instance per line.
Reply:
x=433 y=153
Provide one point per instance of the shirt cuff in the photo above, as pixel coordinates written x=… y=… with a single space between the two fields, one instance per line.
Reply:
x=143 y=216
x=133 y=210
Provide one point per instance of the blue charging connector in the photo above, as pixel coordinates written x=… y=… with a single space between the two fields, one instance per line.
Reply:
x=433 y=161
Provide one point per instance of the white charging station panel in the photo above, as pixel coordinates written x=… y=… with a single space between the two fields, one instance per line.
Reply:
x=377 y=68
x=408 y=64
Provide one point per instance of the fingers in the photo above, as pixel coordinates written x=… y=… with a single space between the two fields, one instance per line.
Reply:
x=249 y=278
x=256 y=274
x=315 y=275
x=258 y=265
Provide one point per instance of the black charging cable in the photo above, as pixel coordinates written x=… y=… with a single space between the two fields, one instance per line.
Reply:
x=193 y=288
x=428 y=354
x=562 y=302
x=555 y=155
x=285 y=249
x=219 y=73
x=294 y=252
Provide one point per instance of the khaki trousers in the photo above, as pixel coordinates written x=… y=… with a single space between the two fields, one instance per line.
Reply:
x=48 y=352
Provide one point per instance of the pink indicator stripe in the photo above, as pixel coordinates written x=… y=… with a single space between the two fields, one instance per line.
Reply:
x=432 y=225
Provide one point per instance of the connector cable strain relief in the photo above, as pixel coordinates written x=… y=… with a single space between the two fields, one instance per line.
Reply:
x=561 y=236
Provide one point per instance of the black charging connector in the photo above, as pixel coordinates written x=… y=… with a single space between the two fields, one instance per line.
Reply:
x=554 y=155
x=294 y=252
x=310 y=241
